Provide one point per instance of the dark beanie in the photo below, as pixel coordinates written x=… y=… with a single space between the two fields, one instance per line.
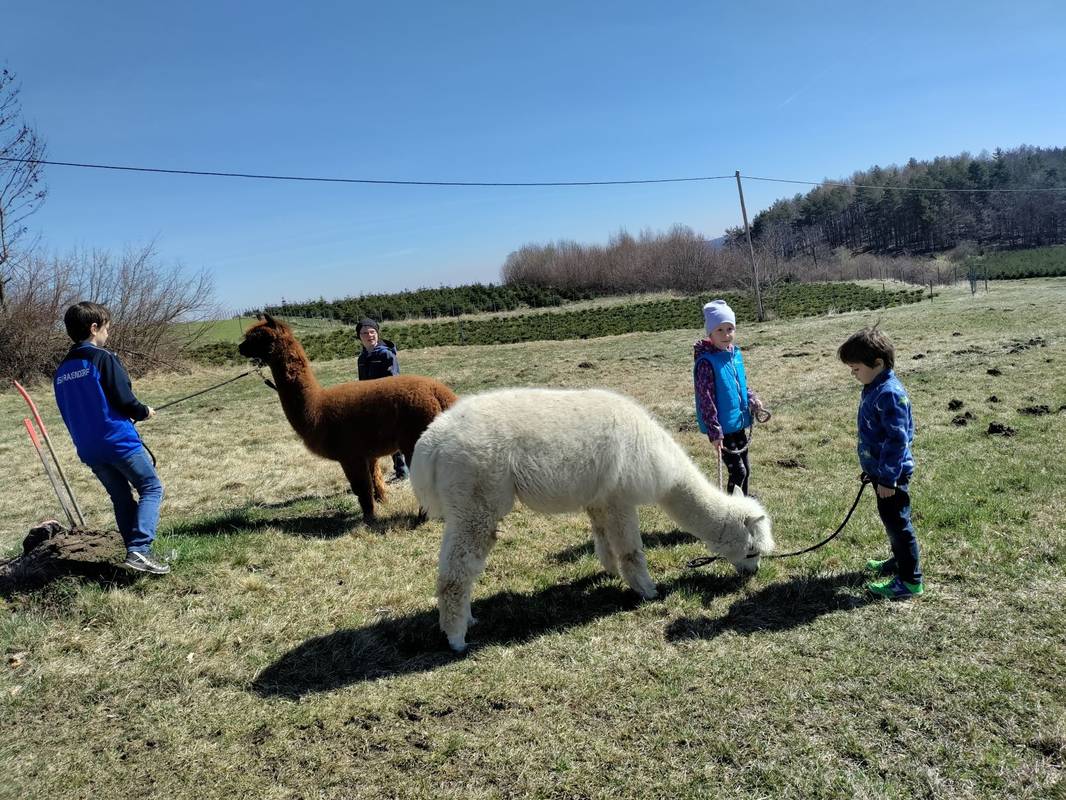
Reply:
x=366 y=322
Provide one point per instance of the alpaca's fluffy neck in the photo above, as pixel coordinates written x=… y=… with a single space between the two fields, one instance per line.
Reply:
x=298 y=388
x=693 y=504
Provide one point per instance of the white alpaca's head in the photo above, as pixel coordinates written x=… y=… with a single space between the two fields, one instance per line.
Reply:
x=750 y=533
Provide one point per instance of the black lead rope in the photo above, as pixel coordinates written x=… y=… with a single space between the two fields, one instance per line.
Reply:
x=864 y=478
x=205 y=391
x=258 y=369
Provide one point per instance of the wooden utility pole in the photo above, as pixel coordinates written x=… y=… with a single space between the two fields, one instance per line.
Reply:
x=759 y=315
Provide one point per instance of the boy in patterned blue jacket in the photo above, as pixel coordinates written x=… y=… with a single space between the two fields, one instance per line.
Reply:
x=886 y=430
x=96 y=399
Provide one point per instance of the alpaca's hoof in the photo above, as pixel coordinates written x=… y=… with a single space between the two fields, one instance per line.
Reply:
x=422 y=518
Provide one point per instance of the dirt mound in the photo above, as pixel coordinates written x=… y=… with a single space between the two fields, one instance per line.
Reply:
x=1035 y=411
x=50 y=551
x=999 y=429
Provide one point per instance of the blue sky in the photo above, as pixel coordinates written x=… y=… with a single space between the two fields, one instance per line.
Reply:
x=480 y=91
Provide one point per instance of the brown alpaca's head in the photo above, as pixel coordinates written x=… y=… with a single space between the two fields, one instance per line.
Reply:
x=265 y=339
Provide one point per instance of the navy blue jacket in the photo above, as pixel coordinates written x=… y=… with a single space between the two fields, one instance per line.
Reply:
x=381 y=362
x=886 y=430
x=95 y=397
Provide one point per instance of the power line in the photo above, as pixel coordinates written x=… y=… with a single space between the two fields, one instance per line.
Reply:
x=361 y=180
x=389 y=182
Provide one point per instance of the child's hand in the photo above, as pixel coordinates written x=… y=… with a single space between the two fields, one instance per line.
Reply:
x=717 y=444
x=151 y=412
x=885 y=491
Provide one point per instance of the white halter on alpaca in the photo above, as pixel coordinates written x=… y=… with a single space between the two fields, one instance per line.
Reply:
x=563 y=451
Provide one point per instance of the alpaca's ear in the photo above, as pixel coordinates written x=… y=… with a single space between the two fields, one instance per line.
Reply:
x=737 y=492
x=751 y=522
x=270 y=321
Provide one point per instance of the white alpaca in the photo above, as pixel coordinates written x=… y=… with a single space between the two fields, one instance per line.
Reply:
x=562 y=451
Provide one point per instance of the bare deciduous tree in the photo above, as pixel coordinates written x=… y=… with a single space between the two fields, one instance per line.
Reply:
x=146 y=298
x=21 y=190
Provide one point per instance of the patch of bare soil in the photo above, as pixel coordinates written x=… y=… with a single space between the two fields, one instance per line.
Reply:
x=50 y=551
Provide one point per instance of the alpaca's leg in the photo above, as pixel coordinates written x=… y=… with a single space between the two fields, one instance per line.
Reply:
x=358 y=474
x=376 y=480
x=623 y=532
x=600 y=542
x=463 y=552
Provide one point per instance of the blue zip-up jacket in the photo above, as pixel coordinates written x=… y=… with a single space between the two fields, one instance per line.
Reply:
x=886 y=430
x=730 y=388
x=381 y=362
x=95 y=397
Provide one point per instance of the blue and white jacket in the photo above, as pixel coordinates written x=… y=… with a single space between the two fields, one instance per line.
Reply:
x=95 y=397
x=722 y=398
x=886 y=430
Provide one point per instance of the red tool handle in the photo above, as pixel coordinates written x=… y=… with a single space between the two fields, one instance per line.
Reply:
x=33 y=408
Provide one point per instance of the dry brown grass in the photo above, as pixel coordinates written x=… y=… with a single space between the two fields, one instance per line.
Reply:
x=293 y=651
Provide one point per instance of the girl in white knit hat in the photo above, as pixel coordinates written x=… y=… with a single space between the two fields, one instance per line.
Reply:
x=724 y=404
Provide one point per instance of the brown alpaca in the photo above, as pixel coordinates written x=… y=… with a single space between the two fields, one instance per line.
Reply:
x=354 y=423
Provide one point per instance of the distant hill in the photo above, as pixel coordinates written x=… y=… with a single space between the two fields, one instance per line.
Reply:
x=926 y=206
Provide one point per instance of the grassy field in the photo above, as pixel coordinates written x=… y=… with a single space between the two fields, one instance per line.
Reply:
x=232 y=329
x=1034 y=263
x=293 y=652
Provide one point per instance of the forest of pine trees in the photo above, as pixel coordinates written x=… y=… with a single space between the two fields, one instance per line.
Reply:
x=895 y=219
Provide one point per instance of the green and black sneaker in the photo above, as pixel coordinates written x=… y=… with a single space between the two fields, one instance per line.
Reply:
x=882 y=566
x=896 y=588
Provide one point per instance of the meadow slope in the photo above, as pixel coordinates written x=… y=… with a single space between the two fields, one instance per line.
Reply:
x=293 y=652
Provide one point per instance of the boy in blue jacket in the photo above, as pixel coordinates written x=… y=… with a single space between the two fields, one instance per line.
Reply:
x=886 y=430
x=377 y=359
x=96 y=399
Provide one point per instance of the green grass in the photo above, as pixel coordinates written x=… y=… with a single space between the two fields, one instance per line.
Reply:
x=1034 y=263
x=293 y=651
x=591 y=320
x=232 y=330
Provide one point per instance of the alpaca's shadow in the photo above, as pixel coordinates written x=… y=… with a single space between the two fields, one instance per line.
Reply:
x=330 y=524
x=413 y=643
x=668 y=539
x=779 y=606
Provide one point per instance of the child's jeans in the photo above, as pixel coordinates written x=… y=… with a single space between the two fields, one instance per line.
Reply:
x=895 y=513
x=137 y=520
x=737 y=461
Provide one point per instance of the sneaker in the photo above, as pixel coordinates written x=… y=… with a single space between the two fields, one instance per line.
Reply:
x=399 y=477
x=882 y=566
x=896 y=588
x=142 y=562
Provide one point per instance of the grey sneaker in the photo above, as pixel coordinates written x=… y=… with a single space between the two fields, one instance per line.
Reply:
x=142 y=562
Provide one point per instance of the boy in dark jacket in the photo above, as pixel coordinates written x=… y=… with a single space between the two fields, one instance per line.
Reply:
x=96 y=399
x=886 y=430
x=378 y=360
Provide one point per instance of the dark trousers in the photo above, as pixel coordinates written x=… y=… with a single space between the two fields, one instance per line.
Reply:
x=398 y=464
x=895 y=512
x=737 y=460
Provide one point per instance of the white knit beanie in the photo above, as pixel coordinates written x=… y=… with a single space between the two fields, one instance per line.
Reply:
x=715 y=313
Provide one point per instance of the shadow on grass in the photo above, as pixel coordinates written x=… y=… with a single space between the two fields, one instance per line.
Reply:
x=314 y=524
x=413 y=643
x=101 y=575
x=777 y=607
x=667 y=539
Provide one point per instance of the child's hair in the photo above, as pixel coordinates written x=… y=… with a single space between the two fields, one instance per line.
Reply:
x=866 y=346
x=80 y=317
